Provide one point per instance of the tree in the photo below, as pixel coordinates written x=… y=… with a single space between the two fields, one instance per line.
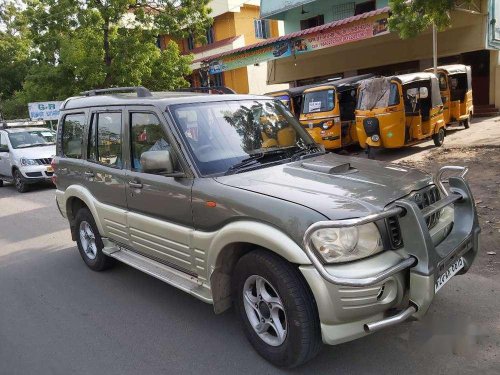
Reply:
x=85 y=44
x=411 y=17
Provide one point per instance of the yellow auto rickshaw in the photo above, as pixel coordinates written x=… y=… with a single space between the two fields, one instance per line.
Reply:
x=455 y=83
x=291 y=98
x=328 y=112
x=398 y=111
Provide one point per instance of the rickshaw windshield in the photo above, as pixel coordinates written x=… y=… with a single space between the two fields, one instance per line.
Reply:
x=377 y=93
x=319 y=101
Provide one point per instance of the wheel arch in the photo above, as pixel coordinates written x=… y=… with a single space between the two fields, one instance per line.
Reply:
x=237 y=239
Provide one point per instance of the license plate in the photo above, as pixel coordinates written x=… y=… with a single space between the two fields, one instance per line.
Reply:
x=50 y=169
x=449 y=273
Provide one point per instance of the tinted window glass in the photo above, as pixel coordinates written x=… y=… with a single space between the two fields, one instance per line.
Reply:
x=393 y=95
x=319 y=101
x=92 y=153
x=72 y=135
x=109 y=139
x=146 y=134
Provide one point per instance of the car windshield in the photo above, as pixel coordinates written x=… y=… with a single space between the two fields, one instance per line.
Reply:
x=319 y=101
x=224 y=135
x=32 y=138
x=377 y=93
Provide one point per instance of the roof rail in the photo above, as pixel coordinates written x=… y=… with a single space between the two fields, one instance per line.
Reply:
x=20 y=123
x=214 y=89
x=141 y=91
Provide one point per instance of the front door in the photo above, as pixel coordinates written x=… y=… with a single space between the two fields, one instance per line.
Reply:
x=104 y=173
x=4 y=155
x=160 y=217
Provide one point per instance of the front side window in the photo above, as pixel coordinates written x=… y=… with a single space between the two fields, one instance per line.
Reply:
x=108 y=139
x=319 y=101
x=222 y=134
x=146 y=134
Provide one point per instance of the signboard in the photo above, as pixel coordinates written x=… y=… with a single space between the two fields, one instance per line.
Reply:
x=44 y=110
x=258 y=55
x=350 y=32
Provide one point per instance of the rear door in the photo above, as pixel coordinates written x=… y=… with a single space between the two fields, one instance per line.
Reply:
x=104 y=173
x=160 y=217
x=4 y=155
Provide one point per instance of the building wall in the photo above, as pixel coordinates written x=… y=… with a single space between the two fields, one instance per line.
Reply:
x=237 y=79
x=465 y=35
x=293 y=17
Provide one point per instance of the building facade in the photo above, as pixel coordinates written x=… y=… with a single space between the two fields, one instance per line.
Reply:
x=236 y=24
x=341 y=38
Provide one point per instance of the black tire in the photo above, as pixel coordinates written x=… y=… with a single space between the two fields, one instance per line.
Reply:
x=303 y=338
x=438 y=138
x=19 y=183
x=466 y=123
x=99 y=261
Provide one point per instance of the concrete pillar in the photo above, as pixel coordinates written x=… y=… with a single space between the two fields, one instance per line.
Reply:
x=495 y=78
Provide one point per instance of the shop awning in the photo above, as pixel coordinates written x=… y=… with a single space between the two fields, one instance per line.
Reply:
x=347 y=30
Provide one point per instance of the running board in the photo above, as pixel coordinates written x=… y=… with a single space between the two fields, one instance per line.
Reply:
x=169 y=275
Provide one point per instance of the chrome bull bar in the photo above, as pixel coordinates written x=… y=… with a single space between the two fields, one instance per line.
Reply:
x=402 y=208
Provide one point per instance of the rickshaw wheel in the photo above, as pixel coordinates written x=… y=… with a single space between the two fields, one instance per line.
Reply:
x=467 y=123
x=438 y=138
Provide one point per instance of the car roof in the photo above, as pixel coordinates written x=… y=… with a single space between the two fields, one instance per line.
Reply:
x=156 y=99
x=24 y=129
x=414 y=77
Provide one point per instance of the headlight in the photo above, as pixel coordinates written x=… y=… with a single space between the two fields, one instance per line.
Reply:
x=345 y=244
x=327 y=125
x=26 y=162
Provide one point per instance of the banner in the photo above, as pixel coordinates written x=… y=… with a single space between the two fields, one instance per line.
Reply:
x=350 y=32
x=44 y=110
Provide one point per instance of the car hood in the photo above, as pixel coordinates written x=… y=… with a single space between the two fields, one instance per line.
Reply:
x=41 y=152
x=368 y=186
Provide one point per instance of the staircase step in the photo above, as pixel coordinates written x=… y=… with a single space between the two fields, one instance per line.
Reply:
x=484 y=106
x=487 y=114
x=169 y=275
x=485 y=110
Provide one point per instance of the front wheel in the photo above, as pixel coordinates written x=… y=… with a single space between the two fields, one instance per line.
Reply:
x=90 y=243
x=277 y=309
x=438 y=138
x=467 y=123
x=19 y=183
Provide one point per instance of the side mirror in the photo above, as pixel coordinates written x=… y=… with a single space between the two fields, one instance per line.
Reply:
x=157 y=161
x=4 y=148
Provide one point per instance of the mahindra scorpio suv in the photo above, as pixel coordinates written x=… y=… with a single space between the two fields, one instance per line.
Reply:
x=228 y=198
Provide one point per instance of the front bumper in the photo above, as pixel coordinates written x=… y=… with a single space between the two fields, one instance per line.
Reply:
x=357 y=298
x=36 y=173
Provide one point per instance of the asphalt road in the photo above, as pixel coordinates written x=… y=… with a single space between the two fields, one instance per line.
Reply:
x=59 y=317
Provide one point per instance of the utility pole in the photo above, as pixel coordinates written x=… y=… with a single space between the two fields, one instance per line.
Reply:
x=434 y=47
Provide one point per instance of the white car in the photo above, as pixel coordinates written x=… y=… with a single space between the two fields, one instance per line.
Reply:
x=25 y=156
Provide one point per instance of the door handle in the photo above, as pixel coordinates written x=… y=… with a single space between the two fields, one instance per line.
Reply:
x=135 y=185
x=89 y=174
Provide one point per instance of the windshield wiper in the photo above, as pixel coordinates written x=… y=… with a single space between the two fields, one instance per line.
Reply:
x=310 y=149
x=253 y=160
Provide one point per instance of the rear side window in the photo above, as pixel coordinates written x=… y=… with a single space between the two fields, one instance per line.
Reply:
x=106 y=148
x=72 y=135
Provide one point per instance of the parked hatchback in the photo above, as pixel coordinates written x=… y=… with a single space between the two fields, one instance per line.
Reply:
x=25 y=155
x=228 y=198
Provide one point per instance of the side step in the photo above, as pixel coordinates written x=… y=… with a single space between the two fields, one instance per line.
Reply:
x=169 y=275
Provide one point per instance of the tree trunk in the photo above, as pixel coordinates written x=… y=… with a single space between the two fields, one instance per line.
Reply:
x=107 y=55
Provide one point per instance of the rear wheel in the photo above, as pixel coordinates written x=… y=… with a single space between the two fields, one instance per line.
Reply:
x=90 y=243
x=19 y=183
x=277 y=309
x=438 y=138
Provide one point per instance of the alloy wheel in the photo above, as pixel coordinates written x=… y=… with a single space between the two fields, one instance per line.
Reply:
x=87 y=240
x=265 y=310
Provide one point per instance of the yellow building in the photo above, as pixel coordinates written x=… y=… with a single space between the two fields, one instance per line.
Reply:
x=236 y=24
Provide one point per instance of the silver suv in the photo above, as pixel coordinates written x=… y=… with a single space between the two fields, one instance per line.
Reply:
x=228 y=198
x=25 y=155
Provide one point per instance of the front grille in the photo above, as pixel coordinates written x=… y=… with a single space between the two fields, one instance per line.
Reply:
x=422 y=199
x=371 y=126
x=34 y=174
x=44 y=161
x=426 y=198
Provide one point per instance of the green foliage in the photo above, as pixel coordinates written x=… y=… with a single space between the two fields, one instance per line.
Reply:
x=63 y=47
x=410 y=18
